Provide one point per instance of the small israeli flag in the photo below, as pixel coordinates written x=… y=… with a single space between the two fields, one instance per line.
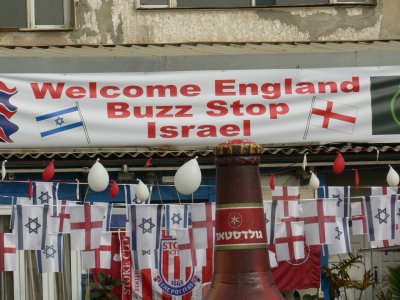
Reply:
x=61 y=120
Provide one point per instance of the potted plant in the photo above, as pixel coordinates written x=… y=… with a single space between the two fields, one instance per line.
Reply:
x=104 y=288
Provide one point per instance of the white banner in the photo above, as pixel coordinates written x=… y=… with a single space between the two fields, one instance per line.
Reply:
x=200 y=107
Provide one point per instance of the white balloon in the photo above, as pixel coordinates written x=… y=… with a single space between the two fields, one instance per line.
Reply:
x=314 y=181
x=98 y=178
x=3 y=170
x=188 y=177
x=392 y=177
x=142 y=191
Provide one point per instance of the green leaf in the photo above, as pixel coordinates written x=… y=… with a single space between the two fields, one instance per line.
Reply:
x=96 y=285
x=97 y=294
x=101 y=276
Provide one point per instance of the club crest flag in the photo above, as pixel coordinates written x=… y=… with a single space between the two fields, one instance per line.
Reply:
x=342 y=196
x=50 y=259
x=383 y=190
x=381 y=217
x=144 y=226
x=31 y=226
x=7 y=252
x=203 y=224
x=99 y=258
x=341 y=242
x=176 y=217
x=358 y=218
x=319 y=218
x=86 y=222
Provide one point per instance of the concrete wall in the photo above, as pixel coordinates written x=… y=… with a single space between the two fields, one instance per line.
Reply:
x=119 y=22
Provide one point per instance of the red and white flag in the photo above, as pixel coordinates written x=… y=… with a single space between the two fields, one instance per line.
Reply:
x=333 y=115
x=203 y=224
x=31 y=226
x=285 y=195
x=86 y=226
x=50 y=259
x=319 y=218
x=7 y=252
x=381 y=217
x=383 y=190
x=187 y=251
x=60 y=222
x=99 y=258
x=358 y=218
x=289 y=241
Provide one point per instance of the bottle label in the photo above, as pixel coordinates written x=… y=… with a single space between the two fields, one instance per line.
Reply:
x=240 y=226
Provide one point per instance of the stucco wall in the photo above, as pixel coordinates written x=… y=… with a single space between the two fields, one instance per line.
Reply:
x=119 y=22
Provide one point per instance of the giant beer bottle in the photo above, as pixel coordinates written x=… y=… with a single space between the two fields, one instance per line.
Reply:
x=241 y=264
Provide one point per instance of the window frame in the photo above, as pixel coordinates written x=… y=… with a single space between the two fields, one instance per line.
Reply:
x=173 y=4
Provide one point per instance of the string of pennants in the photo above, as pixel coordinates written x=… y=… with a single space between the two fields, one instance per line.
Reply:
x=290 y=224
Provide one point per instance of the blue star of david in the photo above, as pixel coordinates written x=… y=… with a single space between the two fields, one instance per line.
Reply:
x=49 y=251
x=44 y=197
x=176 y=218
x=29 y=225
x=379 y=216
x=339 y=233
x=146 y=252
x=339 y=200
x=59 y=121
x=149 y=227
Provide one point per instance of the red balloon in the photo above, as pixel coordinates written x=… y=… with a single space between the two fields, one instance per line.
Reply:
x=356 y=179
x=30 y=189
x=339 y=164
x=48 y=173
x=114 y=189
x=272 y=182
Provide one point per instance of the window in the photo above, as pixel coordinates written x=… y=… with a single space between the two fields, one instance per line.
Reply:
x=241 y=3
x=36 y=14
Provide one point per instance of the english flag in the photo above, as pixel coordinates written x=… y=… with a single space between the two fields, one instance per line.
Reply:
x=286 y=194
x=203 y=224
x=381 y=217
x=50 y=259
x=289 y=241
x=333 y=115
x=86 y=222
x=176 y=217
x=358 y=218
x=31 y=226
x=144 y=226
x=342 y=196
x=187 y=251
x=61 y=221
x=7 y=252
x=319 y=218
x=383 y=190
x=341 y=242
x=99 y=258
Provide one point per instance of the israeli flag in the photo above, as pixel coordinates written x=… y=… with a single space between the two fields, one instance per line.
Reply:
x=61 y=120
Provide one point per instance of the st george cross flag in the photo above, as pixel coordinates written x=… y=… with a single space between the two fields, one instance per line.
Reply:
x=46 y=193
x=203 y=224
x=187 y=252
x=50 y=259
x=144 y=226
x=7 y=252
x=99 y=258
x=358 y=218
x=289 y=241
x=383 y=190
x=176 y=217
x=342 y=239
x=59 y=121
x=319 y=218
x=86 y=222
x=342 y=196
x=381 y=217
x=286 y=194
x=333 y=115
x=61 y=221
x=31 y=226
